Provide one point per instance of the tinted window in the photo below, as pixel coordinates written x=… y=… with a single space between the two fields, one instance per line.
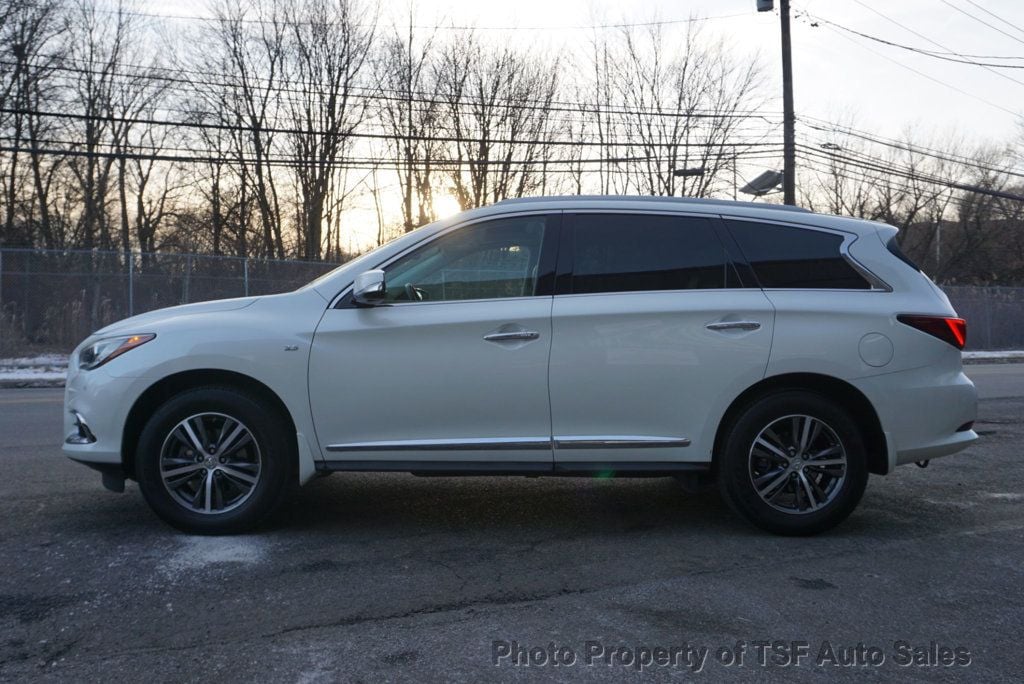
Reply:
x=483 y=261
x=894 y=249
x=633 y=252
x=795 y=258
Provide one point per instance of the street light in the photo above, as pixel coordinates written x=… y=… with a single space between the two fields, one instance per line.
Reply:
x=765 y=183
x=685 y=173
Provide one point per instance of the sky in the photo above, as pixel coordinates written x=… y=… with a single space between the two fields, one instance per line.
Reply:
x=838 y=76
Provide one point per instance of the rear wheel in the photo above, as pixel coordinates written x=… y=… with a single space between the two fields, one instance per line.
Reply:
x=793 y=463
x=214 y=460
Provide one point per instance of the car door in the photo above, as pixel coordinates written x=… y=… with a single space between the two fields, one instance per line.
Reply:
x=452 y=367
x=654 y=333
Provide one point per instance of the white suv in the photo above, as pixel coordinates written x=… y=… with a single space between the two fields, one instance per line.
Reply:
x=784 y=353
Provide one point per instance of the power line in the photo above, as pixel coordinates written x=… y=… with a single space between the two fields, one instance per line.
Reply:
x=927 y=53
x=549 y=166
x=133 y=147
x=861 y=161
x=933 y=42
x=996 y=16
x=282 y=21
x=873 y=163
x=923 y=150
x=374 y=136
x=915 y=177
x=869 y=164
x=861 y=177
x=954 y=159
x=982 y=21
x=854 y=175
x=924 y=75
x=419 y=97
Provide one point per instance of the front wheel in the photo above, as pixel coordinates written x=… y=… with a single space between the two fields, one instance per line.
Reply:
x=793 y=463
x=214 y=460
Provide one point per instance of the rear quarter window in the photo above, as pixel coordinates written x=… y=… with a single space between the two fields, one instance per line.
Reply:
x=894 y=249
x=795 y=258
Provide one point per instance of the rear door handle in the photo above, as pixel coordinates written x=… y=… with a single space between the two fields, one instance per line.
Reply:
x=512 y=335
x=734 y=325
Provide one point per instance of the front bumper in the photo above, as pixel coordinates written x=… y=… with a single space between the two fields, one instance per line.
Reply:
x=101 y=402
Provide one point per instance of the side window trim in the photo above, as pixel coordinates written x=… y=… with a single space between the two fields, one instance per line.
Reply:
x=740 y=266
x=545 y=278
x=566 y=252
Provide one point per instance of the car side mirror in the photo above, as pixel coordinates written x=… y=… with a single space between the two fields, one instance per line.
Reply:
x=369 y=288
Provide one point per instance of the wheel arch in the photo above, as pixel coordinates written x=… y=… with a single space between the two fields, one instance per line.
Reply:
x=840 y=391
x=165 y=388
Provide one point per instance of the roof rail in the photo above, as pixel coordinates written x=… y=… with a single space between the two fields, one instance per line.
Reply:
x=654 y=198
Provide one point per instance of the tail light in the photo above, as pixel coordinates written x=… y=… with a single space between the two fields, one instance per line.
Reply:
x=947 y=329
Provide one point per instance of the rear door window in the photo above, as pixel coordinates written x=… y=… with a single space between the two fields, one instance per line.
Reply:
x=648 y=252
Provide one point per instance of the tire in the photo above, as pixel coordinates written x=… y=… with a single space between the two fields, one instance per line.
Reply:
x=242 y=476
x=797 y=497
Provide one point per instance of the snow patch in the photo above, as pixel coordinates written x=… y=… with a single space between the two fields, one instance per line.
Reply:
x=993 y=354
x=31 y=374
x=1005 y=496
x=41 y=361
x=201 y=553
x=45 y=370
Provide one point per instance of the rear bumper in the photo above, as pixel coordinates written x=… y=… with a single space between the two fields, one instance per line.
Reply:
x=941 y=447
x=922 y=410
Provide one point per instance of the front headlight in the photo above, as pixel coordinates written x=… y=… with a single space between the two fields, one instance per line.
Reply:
x=101 y=351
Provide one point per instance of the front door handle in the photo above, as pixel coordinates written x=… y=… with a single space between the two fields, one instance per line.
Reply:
x=734 y=325
x=512 y=335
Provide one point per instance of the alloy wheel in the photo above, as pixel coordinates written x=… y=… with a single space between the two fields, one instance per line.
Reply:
x=210 y=463
x=797 y=464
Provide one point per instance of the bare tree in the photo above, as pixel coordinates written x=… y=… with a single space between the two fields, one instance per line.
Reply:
x=329 y=47
x=498 y=102
x=248 y=49
x=684 y=108
x=29 y=32
x=156 y=187
x=598 y=114
x=97 y=42
x=410 y=114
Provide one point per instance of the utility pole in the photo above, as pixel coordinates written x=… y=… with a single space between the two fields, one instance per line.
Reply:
x=788 y=118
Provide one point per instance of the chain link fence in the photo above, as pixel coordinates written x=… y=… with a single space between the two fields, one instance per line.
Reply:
x=995 y=315
x=51 y=300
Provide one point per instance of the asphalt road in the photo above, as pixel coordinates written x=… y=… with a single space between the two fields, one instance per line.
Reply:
x=393 y=577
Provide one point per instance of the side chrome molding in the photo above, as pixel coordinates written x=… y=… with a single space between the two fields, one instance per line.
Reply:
x=516 y=443
x=472 y=444
x=618 y=442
